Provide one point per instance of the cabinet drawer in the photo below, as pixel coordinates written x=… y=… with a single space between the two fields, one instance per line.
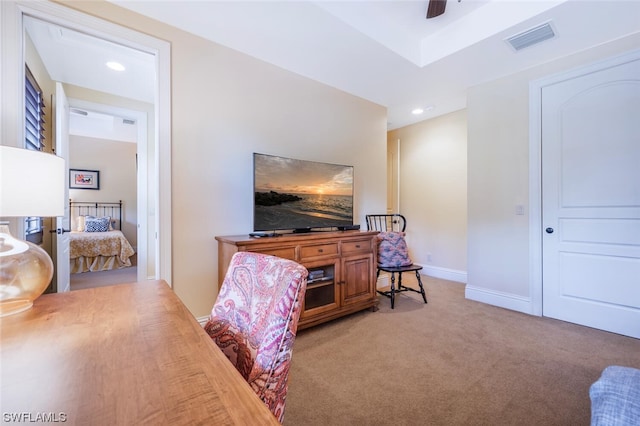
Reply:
x=284 y=252
x=359 y=246
x=317 y=250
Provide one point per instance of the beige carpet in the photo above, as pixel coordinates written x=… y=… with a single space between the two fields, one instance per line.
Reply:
x=449 y=362
x=103 y=278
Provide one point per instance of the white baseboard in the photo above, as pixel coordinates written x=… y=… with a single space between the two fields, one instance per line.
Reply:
x=445 y=273
x=202 y=320
x=500 y=299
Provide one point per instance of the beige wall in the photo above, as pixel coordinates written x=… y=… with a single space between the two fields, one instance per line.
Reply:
x=499 y=256
x=116 y=162
x=433 y=192
x=227 y=105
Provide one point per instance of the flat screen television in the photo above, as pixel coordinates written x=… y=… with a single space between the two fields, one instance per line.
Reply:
x=300 y=195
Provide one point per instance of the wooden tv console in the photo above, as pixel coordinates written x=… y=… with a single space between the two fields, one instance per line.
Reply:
x=341 y=265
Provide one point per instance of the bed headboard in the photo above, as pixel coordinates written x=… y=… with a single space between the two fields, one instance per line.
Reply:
x=112 y=209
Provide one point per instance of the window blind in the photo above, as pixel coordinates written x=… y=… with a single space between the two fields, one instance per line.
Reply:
x=34 y=113
x=33 y=139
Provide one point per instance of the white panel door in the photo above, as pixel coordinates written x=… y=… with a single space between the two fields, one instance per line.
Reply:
x=63 y=276
x=591 y=199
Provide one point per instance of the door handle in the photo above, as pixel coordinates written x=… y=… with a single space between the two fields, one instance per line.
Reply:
x=549 y=230
x=60 y=231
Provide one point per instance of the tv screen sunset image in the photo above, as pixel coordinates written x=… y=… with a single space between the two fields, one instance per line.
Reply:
x=297 y=194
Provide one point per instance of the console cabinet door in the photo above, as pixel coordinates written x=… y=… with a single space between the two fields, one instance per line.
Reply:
x=323 y=292
x=357 y=285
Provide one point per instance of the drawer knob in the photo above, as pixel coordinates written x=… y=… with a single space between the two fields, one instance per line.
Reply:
x=320 y=250
x=357 y=245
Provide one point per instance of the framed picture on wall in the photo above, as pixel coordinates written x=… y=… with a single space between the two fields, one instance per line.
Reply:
x=84 y=179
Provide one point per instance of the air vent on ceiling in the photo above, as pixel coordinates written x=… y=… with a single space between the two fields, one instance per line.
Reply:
x=79 y=112
x=128 y=121
x=531 y=36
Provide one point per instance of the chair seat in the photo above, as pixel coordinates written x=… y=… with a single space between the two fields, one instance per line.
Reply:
x=407 y=268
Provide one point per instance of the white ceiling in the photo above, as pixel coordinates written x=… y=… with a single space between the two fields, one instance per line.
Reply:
x=386 y=51
x=76 y=58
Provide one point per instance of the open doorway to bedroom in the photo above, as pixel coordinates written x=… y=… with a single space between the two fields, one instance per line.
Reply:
x=143 y=162
x=15 y=57
x=106 y=126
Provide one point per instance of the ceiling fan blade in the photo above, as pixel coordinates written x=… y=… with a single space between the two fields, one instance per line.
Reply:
x=436 y=8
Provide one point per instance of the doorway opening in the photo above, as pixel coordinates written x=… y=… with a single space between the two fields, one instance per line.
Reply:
x=13 y=15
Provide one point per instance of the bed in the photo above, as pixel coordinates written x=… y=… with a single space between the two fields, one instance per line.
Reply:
x=96 y=239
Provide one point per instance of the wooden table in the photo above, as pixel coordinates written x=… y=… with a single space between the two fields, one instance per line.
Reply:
x=129 y=354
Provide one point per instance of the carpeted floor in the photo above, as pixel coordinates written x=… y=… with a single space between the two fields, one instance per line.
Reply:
x=103 y=278
x=449 y=362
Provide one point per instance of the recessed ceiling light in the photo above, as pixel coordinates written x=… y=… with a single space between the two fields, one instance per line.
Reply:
x=417 y=111
x=116 y=66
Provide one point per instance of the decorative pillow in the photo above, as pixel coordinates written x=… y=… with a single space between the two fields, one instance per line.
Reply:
x=112 y=223
x=80 y=224
x=392 y=249
x=615 y=396
x=99 y=224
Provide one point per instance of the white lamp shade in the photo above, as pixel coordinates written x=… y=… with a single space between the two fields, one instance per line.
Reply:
x=32 y=183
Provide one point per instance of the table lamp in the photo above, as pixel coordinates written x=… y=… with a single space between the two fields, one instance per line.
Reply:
x=32 y=183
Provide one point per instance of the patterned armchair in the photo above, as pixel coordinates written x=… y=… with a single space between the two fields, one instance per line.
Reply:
x=254 y=321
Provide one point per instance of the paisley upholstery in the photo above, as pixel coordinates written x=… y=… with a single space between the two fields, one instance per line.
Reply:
x=254 y=321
